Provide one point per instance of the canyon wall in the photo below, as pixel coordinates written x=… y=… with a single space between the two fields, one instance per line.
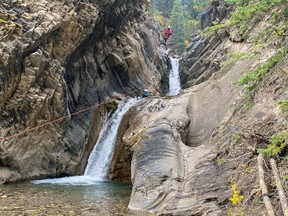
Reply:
x=58 y=58
x=187 y=152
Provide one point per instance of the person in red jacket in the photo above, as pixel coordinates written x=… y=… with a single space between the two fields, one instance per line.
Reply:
x=167 y=33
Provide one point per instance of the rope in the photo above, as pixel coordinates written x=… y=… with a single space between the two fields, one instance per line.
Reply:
x=61 y=118
x=78 y=112
x=151 y=65
x=83 y=110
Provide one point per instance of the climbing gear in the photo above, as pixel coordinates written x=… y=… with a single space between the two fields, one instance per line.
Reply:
x=95 y=106
x=145 y=94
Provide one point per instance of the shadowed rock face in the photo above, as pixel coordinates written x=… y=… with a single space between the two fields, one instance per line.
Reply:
x=59 y=57
x=202 y=59
x=214 y=13
x=204 y=54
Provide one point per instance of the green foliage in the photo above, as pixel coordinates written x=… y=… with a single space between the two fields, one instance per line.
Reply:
x=286 y=11
x=160 y=19
x=283 y=161
x=182 y=15
x=218 y=143
x=211 y=29
x=178 y=15
x=235 y=57
x=163 y=7
x=258 y=48
x=231 y=1
x=251 y=80
x=184 y=20
x=274 y=17
x=276 y=29
x=239 y=55
x=276 y=145
x=284 y=178
x=221 y=160
x=244 y=13
x=236 y=138
x=282 y=104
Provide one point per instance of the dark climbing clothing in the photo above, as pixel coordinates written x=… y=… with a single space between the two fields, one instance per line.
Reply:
x=145 y=94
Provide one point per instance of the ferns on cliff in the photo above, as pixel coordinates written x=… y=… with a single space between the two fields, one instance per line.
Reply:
x=282 y=104
x=277 y=144
x=244 y=13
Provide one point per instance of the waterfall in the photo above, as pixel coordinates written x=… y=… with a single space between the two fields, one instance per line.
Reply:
x=101 y=156
x=174 y=79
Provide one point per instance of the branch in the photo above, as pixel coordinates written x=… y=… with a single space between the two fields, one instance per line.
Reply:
x=280 y=189
x=263 y=187
x=254 y=191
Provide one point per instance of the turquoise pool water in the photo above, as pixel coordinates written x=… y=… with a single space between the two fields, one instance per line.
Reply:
x=55 y=199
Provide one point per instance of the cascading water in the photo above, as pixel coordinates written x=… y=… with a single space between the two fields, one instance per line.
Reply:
x=174 y=79
x=100 y=157
x=87 y=194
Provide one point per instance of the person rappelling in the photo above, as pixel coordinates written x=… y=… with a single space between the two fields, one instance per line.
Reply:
x=145 y=93
x=167 y=33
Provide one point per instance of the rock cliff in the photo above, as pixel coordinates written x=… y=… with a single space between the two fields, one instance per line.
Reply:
x=187 y=151
x=202 y=57
x=174 y=168
x=60 y=57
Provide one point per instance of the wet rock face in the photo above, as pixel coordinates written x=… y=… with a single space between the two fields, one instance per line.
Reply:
x=59 y=57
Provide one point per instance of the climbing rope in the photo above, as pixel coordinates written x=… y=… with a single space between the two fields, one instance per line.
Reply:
x=151 y=65
x=83 y=110
x=80 y=111
x=62 y=118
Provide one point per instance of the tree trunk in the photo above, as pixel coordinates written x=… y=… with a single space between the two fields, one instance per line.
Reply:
x=280 y=189
x=263 y=187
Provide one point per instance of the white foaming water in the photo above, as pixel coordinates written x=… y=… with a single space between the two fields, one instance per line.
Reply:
x=174 y=79
x=71 y=180
x=100 y=157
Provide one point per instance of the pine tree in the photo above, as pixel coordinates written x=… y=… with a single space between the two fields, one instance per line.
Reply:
x=182 y=15
x=176 y=20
